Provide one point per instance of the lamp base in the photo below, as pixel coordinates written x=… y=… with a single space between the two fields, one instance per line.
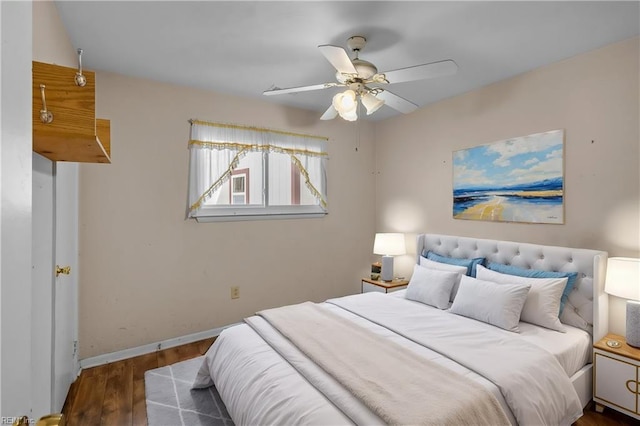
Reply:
x=633 y=323
x=387 y=268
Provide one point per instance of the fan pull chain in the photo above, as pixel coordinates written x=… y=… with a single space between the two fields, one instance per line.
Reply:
x=358 y=127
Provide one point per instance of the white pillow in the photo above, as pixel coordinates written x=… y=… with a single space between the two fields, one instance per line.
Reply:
x=461 y=270
x=542 y=306
x=431 y=287
x=486 y=301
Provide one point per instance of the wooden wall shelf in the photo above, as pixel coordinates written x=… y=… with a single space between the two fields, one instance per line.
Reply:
x=74 y=134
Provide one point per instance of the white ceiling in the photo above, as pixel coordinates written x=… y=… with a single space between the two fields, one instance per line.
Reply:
x=246 y=47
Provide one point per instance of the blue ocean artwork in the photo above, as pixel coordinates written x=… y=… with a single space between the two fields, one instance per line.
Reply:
x=516 y=180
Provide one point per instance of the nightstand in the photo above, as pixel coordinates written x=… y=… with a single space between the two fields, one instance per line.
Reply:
x=369 y=285
x=616 y=373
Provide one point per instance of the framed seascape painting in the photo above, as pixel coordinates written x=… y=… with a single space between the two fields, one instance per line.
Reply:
x=515 y=180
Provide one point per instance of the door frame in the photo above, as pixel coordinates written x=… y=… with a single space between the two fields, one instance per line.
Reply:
x=16 y=208
x=43 y=282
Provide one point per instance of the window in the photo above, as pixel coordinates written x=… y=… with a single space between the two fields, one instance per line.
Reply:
x=240 y=173
x=239 y=187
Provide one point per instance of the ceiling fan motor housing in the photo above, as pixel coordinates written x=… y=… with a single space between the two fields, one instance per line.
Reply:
x=365 y=69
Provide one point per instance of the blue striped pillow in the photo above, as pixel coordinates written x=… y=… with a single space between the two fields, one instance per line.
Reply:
x=536 y=273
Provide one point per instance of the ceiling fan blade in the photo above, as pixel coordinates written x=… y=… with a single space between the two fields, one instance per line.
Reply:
x=396 y=102
x=278 y=91
x=420 y=72
x=330 y=113
x=338 y=58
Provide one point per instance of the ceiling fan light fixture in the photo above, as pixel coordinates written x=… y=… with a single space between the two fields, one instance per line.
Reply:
x=350 y=115
x=371 y=103
x=345 y=102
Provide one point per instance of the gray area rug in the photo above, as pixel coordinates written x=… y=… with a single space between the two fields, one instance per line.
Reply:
x=172 y=402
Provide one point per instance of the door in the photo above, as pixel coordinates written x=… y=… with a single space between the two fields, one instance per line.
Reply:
x=65 y=295
x=54 y=298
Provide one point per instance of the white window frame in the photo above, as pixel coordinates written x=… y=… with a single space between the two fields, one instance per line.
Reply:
x=297 y=146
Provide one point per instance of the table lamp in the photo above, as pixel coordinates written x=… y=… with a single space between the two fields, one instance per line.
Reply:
x=388 y=245
x=623 y=280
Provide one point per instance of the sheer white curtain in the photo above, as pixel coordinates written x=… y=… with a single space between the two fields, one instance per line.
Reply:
x=216 y=150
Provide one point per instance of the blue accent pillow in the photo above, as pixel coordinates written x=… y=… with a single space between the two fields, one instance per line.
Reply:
x=536 y=273
x=469 y=263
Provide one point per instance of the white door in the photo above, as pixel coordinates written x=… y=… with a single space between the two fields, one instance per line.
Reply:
x=54 y=298
x=65 y=295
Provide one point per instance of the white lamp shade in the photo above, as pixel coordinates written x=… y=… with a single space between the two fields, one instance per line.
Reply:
x=389 y=244
x=371 y=103
x=349 y=116
x=623 y=277
x=345 y=102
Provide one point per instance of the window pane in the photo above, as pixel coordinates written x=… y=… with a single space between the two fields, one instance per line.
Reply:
x=245 y=186
x=238 y=183
x=286 y=184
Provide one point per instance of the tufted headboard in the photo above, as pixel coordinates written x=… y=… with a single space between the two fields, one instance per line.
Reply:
x=587 y=307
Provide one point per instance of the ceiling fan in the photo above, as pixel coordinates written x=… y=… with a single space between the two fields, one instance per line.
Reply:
x=364 y=82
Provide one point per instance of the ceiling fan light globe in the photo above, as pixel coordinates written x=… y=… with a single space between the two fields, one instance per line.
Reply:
x=345 y=102
x=349 y=101
x=351 y=108
x=350 y=116
x=348 y=104
x=371 y=103
x=337 y=101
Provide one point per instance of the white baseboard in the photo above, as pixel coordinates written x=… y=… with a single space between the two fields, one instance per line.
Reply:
x=149 y=348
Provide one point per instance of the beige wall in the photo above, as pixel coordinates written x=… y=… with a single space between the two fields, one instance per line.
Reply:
x=593 y=97
x=51 y=43
x=147 y=274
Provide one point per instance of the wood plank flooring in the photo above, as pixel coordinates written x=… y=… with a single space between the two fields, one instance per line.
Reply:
x=113 y=394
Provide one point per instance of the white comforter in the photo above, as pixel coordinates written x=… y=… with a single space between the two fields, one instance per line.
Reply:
x=259 y=387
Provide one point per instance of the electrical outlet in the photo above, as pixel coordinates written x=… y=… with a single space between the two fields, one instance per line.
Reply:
x=235 y=292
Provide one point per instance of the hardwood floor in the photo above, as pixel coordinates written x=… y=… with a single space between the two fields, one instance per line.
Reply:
x=113 y=394
x=608 y=418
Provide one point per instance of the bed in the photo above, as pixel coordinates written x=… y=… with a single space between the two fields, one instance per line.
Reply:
x=389 y=359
